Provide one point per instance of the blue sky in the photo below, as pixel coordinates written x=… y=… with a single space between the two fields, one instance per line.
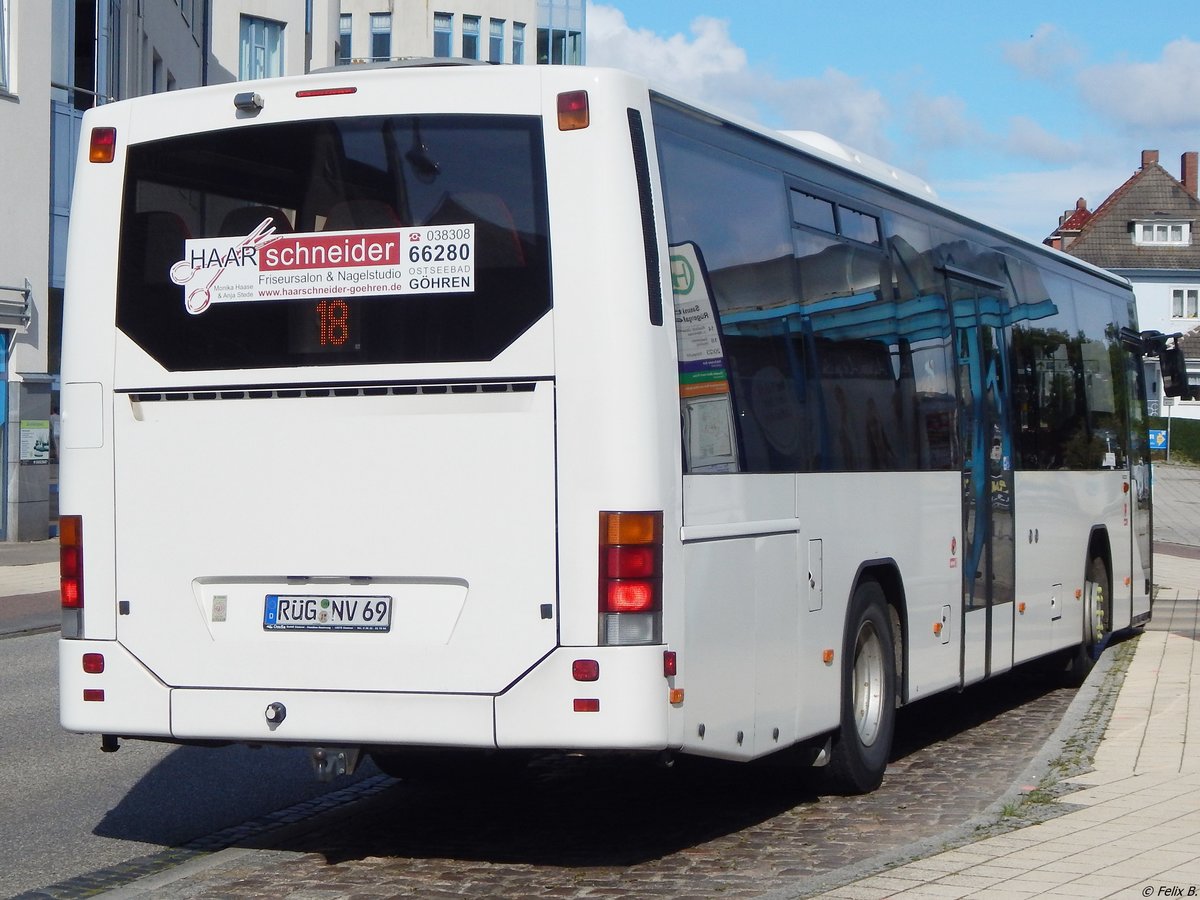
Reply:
x=1011 y=111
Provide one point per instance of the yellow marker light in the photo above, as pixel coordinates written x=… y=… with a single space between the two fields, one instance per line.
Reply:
x=1021 y=608
x=827 y=657
x=676 y=696
x=937 y=627
x=573 y=111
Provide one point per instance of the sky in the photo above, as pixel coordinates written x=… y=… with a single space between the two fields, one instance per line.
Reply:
x=1010 y=110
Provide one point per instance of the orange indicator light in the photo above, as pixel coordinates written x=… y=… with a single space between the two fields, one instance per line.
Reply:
x=676 y=696
x=827 y=657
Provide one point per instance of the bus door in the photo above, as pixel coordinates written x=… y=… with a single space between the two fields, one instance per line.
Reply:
x=987 y=557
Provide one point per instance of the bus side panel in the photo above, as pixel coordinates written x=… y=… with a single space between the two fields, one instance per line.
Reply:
x=912 y=522
x=1056 y=515
x=85 y=479
x=740 y=665
x=617 y=381
x=763 y=608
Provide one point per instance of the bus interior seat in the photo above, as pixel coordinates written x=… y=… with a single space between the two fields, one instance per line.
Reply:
x=365 y=213
x=161 y=236
x=497 y=240
x=244 y=219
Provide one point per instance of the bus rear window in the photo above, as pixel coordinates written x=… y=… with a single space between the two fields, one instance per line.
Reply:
x=396 y=239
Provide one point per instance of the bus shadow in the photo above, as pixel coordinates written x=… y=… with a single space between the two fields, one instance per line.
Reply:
x=594 y=812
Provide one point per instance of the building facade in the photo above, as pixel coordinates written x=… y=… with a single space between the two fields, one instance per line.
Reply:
x=25 y=431
x=1147 y=230
x=520 y=32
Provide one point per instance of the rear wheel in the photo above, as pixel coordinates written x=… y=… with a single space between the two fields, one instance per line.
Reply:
x=863 y=741
x=1097 y=620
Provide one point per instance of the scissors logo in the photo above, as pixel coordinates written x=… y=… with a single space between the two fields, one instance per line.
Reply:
x=185 y=270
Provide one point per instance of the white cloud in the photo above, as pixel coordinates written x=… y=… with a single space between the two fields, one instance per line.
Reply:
x=1026 y=138
x=681 y=62
x=942 y=123
x=1029 y=203
x=1140 y=95
x=1046 y=53
x=709 y=66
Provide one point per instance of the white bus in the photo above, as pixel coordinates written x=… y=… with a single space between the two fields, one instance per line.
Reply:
x=430 y=409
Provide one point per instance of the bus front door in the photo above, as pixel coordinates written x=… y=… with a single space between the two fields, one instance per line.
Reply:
x=986 y=441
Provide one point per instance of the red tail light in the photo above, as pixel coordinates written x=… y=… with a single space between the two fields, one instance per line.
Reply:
x=573 y=111
x=70 y=561
x=102 y=147
x=631 y=546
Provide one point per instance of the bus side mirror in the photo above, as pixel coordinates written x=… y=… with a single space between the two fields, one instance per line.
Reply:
x=1174 y=372
x=1171 y=362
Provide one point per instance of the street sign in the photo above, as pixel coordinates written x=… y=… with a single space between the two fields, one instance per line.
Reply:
x=1158 y=439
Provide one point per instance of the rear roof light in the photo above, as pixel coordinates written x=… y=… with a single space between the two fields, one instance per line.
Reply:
x=326 y=92
x=102 y=147
x=70 y=561
x=573 y=111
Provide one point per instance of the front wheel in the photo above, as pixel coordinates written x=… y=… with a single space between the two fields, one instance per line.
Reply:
x=863 y=741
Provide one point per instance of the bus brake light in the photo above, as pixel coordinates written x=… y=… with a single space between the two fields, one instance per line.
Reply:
x=631 y=546
x=70 y=561
x=102 y=147
x=573 y=111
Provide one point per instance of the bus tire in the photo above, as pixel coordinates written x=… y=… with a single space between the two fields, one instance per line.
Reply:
x=863 y=741
x=1097 y=621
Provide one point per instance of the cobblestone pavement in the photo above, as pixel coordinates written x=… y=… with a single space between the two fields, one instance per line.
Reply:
x=588 y=828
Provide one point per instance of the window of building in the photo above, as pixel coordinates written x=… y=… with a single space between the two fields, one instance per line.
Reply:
x=1185 y=303
x=345 y=24
x=156 y=74
x=261 y=48
x=518 y=48
x=381 y=37
x=496 y=41
x=470 y=48
x=4 y=79
x=443 y=33
x=560 y=47
x=1163 y=233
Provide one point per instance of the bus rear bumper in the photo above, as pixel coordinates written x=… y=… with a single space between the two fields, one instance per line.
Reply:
x=124 y=698
x=626 y=708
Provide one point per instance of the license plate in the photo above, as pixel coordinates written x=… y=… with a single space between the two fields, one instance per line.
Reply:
x=306 y=612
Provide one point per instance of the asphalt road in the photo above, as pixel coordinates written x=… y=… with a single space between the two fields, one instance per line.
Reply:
x=66 y=808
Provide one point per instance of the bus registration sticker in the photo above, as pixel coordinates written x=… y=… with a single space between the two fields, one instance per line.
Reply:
x=289 y=612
